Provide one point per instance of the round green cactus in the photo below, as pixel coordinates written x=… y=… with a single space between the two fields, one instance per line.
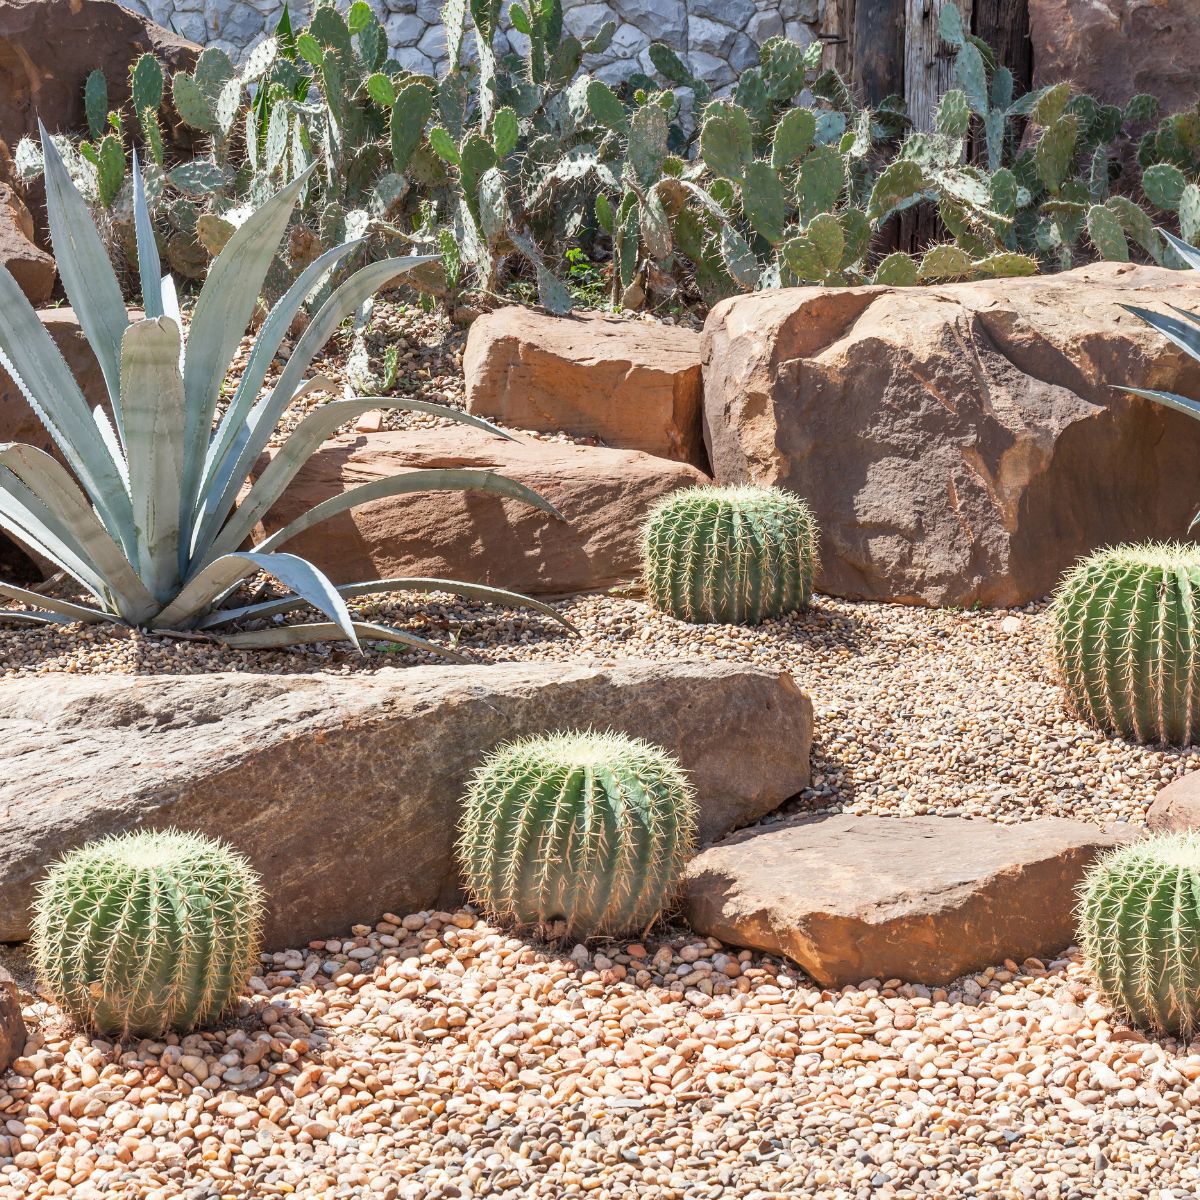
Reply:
x=590 y=829
x=1127 y=641
x=730 y=555
x=147 y=932
x=1139 y=927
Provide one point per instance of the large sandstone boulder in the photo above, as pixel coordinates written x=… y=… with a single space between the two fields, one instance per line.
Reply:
x=345 y=791
x=1176 y=809
x=631 y=384
x=924 y=899
x=472 y=536
x=961 y=443
x=49 y=47
x=1113 y=49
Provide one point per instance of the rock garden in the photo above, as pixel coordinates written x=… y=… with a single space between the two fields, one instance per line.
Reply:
x=582 y=631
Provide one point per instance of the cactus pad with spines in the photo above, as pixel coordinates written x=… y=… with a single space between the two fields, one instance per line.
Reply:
x=1127 y=641
x=589 y=829
x=1139 y=928
x=732 y=555
x=147 y=932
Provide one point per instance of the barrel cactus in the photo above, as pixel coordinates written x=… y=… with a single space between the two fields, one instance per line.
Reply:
x=1127 y=640
x=1139 y=927
x=588 y=829
x=147 y=932
x=730 y=555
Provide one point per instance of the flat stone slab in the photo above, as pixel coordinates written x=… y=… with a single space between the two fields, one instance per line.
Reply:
x=344 y=791
x=923 y=899
x=1176 y=809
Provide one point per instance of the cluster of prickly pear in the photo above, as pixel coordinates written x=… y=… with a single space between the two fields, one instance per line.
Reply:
x=583 y=834
x=729 y=555
x=1139 y=928
x=1169 y=155
x=525 y=168
x=147 y=932
x=1029 y=199
x=772 y=196
x=1127 y=641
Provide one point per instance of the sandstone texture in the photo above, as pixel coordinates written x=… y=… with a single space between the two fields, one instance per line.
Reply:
x=923 y=899
x=31 y=267
x=475 y=537
x=13 y=1034
x=345 y=791
x=630 y=384
x=959 y=444
x=1113 y=49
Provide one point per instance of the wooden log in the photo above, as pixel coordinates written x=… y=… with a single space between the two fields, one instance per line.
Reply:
x=928 y=61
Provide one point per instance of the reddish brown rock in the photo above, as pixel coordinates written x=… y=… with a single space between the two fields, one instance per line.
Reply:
x=345 y=791
x=472 y=536
x=1113 y=49
x=13 y=1035
x=964 y=443
x=923 y=899
x=1176 y=809
x=32 y=268
x=630 y=384
x=49 y=47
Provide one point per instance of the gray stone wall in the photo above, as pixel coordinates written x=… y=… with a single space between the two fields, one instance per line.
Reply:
x=719 y=38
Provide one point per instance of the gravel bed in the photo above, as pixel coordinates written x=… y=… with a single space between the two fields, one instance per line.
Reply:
x=434 y=1056
x=917 y=710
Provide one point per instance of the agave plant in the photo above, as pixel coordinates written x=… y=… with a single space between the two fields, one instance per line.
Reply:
x=151 y=525
x=1182 y=329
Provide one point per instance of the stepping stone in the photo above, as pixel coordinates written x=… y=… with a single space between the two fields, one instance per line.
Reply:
x=923 y=899
x=345 y=791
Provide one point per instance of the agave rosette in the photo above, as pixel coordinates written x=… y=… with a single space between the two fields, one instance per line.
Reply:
x=147 y=519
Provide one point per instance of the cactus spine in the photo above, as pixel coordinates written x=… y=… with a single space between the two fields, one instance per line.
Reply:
x=734 y=555
x=147 y=932
x=1139 y=927
x=1127 y=641
x=591 y=829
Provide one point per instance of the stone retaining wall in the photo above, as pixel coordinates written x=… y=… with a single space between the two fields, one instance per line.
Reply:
x=720 y=38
